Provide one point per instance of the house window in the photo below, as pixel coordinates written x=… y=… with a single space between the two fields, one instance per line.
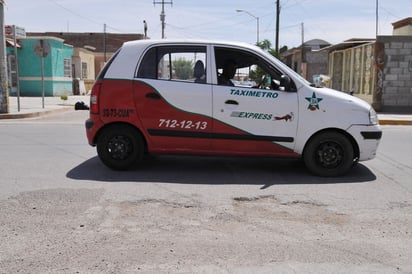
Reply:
x=67 y=67
x=84 y=70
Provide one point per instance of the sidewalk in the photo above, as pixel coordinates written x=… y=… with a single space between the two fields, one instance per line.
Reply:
x=33 y=107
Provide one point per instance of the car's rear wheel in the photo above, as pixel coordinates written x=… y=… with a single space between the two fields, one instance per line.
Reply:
x=329 y=154
x=120 y=147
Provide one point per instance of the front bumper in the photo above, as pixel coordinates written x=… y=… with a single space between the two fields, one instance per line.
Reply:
x=368 y=138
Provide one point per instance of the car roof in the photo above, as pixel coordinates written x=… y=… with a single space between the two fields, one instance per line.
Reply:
x=125 y=64
x=148 y=42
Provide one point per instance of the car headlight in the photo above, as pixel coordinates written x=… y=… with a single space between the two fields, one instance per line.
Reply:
x=373 y=117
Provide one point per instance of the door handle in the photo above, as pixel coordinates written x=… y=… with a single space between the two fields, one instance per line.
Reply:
x=231 y=102
x=153 y=95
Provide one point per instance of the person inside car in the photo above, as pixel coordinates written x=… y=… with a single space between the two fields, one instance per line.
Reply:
x=229 y=70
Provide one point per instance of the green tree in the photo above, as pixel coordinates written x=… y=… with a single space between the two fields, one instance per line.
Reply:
x=183 y=68
x=257 y=74
x=267 y=45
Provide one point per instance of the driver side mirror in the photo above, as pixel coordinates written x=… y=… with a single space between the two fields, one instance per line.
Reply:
x=285 y=82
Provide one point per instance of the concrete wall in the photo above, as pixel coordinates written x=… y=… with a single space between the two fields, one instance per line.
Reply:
x=397 y=72
x=406 y=30
x=352 y=70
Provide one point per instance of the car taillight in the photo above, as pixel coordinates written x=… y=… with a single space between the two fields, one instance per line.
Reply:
x=94 y=98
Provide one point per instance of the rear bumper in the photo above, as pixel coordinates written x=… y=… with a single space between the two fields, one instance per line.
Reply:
x=89 y=124
x=92 y=127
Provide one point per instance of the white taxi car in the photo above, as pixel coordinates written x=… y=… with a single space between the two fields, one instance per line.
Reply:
x=222 y=98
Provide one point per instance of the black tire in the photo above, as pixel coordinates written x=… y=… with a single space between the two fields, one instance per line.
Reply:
x=120 y=147
x=329 y=154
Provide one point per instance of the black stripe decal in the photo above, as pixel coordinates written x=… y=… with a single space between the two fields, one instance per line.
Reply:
x=227 y=136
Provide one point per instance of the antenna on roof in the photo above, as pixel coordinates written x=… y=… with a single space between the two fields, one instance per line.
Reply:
x=163 y=15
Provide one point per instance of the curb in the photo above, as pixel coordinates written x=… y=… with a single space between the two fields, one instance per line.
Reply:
x=384 y=122
x=33 y=114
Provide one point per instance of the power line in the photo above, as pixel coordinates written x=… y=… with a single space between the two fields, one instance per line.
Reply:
x=74 y=13
x=389 y=12
x=84 y=17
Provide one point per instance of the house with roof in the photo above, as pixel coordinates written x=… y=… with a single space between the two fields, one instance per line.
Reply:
x=307 y=59
x=50 y=73
x=103 y=45
x=72 y=66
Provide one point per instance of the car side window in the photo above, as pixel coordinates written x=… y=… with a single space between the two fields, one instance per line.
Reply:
x=148 y=66
x=244 y=69
x=175 y=63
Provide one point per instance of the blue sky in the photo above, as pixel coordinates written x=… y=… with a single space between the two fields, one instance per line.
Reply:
x=330 y=20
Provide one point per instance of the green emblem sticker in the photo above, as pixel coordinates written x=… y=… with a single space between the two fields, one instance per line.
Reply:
x=313 y=102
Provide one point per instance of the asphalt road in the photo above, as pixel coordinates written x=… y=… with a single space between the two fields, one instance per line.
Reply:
x=62 y=211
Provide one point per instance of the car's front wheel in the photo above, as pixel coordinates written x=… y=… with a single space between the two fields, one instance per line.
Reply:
x=120 y=147
x=329 y=154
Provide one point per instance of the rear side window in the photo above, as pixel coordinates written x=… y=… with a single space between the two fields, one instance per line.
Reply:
x=174 y=63
x=106 y=67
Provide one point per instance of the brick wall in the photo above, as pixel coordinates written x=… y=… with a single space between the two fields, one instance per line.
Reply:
x=397 y=73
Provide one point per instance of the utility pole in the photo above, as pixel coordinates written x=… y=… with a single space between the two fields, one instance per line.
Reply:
x=105 y=42
x=302 y=33
x=302 y=49
x=4 y=85
x=377 y=18
x=163 y=15
x=277 y=25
